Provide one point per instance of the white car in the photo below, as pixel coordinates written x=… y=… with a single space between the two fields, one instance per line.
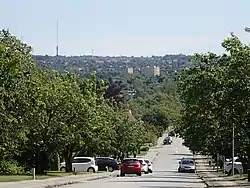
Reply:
x=144 y=166
x=82 y=164
x=238 y=168
x=150 y=165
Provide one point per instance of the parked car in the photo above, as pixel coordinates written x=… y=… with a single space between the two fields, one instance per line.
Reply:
x=82 y=164
x=130 y=166
x=150 y=165
x=187 y=165
x=168 y=140
x=238 y=168
x=144 y=166
x=107 y=162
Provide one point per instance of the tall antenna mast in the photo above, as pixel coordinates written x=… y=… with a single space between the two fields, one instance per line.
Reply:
x=21 y=37
x=92 y=55
x=57 y=38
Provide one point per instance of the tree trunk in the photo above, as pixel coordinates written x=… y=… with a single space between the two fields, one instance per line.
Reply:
x=68 y=156
x=68 y=162
x=248 y=157
x=41 y=163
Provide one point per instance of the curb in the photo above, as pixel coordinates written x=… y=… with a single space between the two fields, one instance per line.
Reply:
x=203 y=180
x=79 y=181
x=62 y=184
x=155 y=157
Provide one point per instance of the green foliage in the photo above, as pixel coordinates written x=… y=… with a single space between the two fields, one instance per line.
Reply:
x=215 y=97
x=10 y=168
x=144 y=148
x=44 y=113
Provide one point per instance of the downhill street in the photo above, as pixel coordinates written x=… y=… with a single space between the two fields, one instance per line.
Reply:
x=165 y=173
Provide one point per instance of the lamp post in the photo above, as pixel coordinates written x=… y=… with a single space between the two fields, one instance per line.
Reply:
x=247 y=29
x=233 y=151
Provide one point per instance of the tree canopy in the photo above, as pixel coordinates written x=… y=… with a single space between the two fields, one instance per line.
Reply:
x=215 y=97
x=45 y=113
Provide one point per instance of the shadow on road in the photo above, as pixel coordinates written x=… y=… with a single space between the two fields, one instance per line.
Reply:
x=173 y=171
x=241 y=185
x=172 y=177
x=140 y=180
x=182 y=154
x=160 y=186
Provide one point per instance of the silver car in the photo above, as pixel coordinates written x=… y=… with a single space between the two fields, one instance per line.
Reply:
x=187 y=165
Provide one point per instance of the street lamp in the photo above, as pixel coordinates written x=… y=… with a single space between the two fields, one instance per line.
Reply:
x=247 y=29
x=233 y=151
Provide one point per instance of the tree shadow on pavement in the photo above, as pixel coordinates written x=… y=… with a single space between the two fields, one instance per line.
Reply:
x=170 y=177
x=238 y=185
x=182 y=154
x=221 y=180
x=141 y=180
x=160 y=186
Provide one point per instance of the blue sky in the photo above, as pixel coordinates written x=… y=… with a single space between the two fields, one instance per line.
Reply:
x=126 y=27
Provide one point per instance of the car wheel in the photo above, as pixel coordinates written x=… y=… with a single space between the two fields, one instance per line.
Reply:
x=122 y=174
x=63 y=169
x=150 y=171
x=139 y=174
x=74 y=171
x=91 y=169
x=235 y=172
x=146 y=172
x=110 y=169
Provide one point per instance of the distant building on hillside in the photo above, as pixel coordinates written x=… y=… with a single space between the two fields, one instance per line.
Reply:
x=128 y=70
x=151 y=71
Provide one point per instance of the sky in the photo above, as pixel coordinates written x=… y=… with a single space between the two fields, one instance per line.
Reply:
x=125 y=27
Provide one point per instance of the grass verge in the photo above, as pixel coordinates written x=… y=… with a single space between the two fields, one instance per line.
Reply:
x=50 y=174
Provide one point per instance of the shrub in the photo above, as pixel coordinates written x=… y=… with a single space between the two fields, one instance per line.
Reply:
x=144 y=148
x=10 y=168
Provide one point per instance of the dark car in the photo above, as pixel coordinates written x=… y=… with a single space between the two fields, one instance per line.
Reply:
x=107 y=163
x=130 y=166
x=167 y=141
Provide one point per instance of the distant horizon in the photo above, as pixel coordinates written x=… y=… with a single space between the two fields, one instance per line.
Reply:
x=109 y=55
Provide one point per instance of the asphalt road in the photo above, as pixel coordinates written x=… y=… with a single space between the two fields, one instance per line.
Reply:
x=165 y=173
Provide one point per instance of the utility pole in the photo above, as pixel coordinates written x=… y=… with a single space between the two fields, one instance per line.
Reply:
x=233 y=151
x=21 y=37
x=57 y=53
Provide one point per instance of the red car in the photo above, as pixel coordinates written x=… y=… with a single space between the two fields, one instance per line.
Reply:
x=130 y=166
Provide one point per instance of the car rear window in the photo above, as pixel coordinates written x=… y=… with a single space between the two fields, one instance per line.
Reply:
x=187 y=162
x=130 y=160
x=147 y=161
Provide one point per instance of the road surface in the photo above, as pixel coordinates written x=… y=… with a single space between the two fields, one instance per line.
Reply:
x=165 y=173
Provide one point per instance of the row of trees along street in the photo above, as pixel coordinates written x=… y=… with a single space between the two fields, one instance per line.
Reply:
x=46 y=115
x=215 y=94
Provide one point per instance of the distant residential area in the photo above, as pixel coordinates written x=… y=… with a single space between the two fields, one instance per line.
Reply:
x=121 y=65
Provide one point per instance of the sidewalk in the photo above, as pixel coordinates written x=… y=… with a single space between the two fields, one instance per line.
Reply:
x=54 y=182
x=211 y=177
